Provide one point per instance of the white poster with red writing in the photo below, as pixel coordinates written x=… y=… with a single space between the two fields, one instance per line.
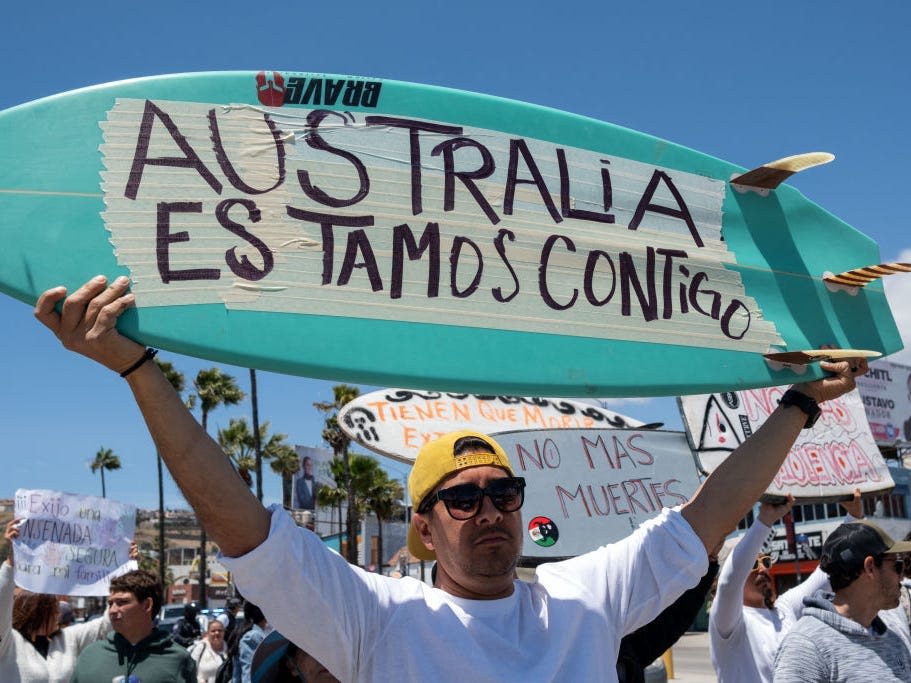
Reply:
x=589 y=487
x=826 y=463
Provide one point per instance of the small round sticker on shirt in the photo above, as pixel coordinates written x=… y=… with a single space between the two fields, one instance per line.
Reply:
x=543 y=531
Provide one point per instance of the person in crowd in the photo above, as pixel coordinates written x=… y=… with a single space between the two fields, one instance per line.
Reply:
x=34 y=646
x=66 y=614
x=228 y=618
x=187 y=629
x=278 y=660
x=478 y=622
x=209 y=652
x=746 y=621
x=136 y=650
x=645 y=645
x=842 y=635
x=905 y=595
x=249 y=641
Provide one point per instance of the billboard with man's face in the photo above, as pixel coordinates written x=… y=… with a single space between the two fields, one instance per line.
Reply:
x=311 y=476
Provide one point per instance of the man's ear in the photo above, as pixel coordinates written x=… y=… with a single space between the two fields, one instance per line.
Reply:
x=147 y=606
x=421 y=525
x=869 y=564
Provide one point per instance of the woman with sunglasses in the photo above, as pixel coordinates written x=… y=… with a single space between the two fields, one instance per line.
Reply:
x=748 y=620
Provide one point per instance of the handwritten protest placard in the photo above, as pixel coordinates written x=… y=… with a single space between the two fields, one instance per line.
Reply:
x=70 y=544
x=589 y=487
x=397 y=422
x=826 y=463
x=378 y=216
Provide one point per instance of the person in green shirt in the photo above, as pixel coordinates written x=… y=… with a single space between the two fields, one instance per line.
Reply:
x=136 y=652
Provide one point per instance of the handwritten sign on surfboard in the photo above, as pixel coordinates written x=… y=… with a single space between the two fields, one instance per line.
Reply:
x=589 y=487
x=396 y=234
x=826 y=462
x=398 y=422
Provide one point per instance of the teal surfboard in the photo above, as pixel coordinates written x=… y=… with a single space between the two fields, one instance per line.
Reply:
x=388 y=233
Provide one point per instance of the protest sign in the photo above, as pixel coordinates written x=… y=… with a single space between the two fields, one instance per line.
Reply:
x=589 y=487
x=826 y=462
x=311 y=476
x=886 y=393
x=70 y=544
x=397 y=422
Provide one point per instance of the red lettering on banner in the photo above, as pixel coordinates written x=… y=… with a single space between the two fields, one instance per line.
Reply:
x=827 y=464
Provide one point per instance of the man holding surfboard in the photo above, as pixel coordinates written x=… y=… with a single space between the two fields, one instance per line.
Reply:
x=478 y=623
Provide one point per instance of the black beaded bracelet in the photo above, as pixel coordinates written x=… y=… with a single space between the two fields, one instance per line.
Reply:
x=149 y=354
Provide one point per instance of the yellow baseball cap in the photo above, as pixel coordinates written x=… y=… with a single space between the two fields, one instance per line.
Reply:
x=436 y=461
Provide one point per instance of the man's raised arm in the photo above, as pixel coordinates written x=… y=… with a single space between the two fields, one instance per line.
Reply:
x=86 y=324
x=739 y=481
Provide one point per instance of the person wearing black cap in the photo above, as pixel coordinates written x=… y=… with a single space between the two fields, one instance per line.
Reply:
x=278 y=660
x=841 y=636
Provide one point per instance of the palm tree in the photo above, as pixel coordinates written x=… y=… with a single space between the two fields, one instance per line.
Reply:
x=236 y=440
x=213 y=389
x=284 y=462
x=373 y=492
x=384 y=499
x=334 y=496
x=339 y=442
x=105 y=460
x=176 y=379
x=257 y=443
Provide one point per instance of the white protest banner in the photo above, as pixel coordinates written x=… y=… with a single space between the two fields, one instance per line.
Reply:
x=70 y=544
x=886 y=393
x=589 y=487
x=397 y=422
x=826 y=463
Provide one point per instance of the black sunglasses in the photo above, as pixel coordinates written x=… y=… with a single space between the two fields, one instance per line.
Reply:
x=464 y=500
x=899 y=563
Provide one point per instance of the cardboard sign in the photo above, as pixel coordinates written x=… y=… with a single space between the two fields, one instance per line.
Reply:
x=589 y=487
x=886 y=394
x=70 y=544
x=397 y=422
x=826 y=463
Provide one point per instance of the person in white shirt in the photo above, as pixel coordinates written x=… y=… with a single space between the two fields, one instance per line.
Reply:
x=746 y=621
x=478 y=622
x=209 y=652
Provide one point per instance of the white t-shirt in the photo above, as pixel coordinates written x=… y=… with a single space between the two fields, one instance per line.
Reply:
x=743 y=640
x=565 y=626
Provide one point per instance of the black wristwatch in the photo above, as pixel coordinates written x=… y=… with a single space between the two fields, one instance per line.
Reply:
x=805 y=403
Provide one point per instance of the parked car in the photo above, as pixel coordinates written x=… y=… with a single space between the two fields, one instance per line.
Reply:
x=169 y=615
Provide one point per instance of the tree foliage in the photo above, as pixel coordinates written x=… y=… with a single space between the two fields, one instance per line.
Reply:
x=339 y=442
x=105 y=459
x=213 y=388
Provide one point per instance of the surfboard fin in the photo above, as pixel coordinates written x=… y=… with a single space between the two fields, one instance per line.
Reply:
x=864 y=276
x=771 y=175
x=817 y=355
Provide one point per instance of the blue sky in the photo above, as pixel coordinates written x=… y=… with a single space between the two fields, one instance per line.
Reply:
x=746 y=83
